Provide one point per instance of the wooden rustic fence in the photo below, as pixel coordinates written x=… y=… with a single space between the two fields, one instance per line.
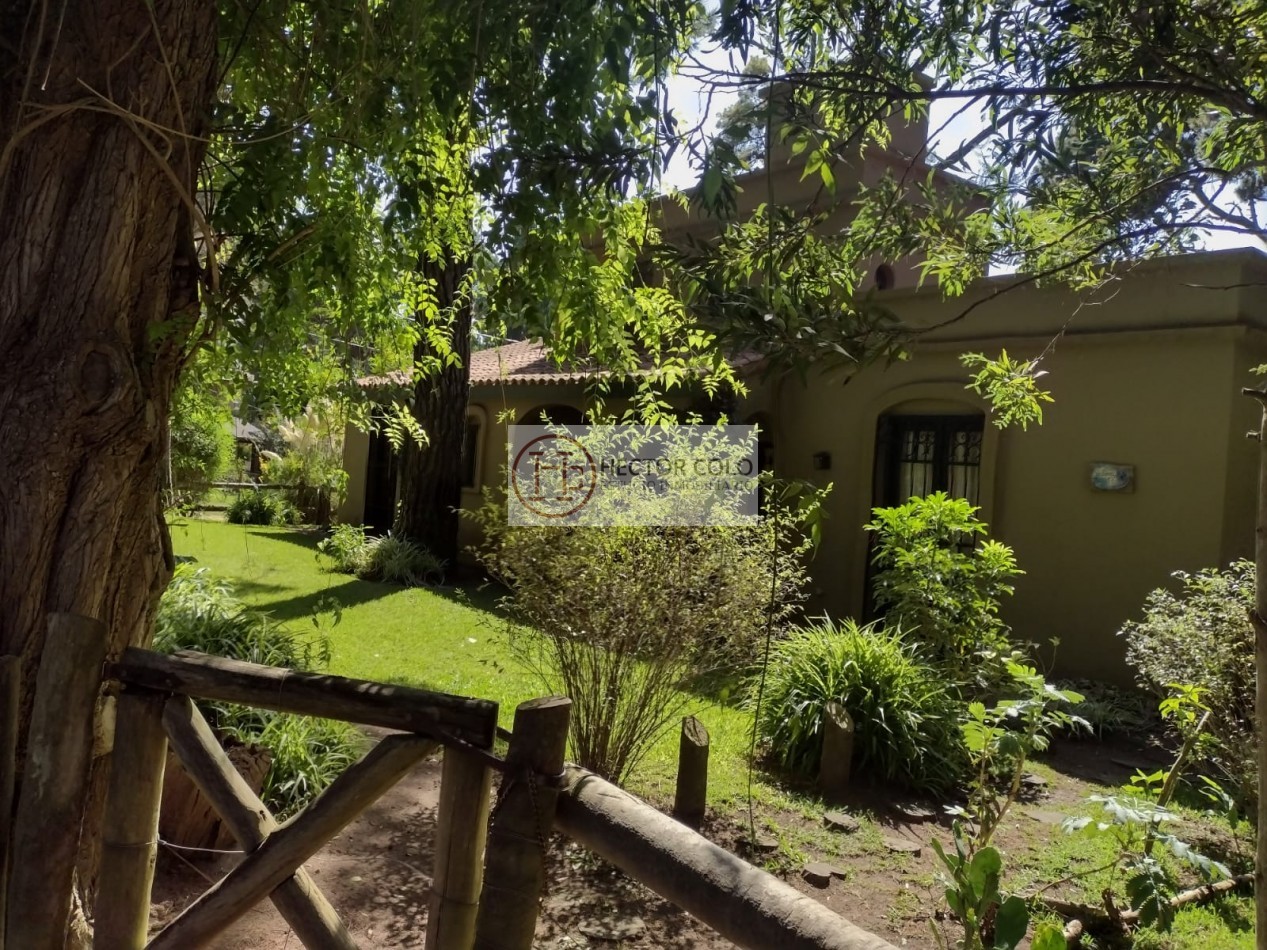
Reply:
x=489 y=868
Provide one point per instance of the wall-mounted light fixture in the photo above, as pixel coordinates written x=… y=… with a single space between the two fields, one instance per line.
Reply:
x=822 y=461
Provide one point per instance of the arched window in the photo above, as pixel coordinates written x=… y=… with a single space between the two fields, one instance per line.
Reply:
x=885 y=279
x=559 y=414
x=917 y=455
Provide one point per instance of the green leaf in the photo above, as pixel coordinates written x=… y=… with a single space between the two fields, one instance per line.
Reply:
x=983 y=872
x=1010 y=923
x=1048 y=937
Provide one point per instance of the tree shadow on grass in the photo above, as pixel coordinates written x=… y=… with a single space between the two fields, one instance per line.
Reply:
x=257 y=590
x=1108 y=761
x=481 y=594
x=306 y=537
x=351 y=592
x=347 y=594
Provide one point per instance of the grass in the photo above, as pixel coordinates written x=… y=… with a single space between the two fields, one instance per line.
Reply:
x=446 y=639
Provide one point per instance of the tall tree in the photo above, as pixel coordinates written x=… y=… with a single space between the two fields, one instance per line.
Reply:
x=104 y=113
x=600 y=137
x=174 y=175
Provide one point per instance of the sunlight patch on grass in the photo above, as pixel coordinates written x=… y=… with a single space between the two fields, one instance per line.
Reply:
x=448 y=639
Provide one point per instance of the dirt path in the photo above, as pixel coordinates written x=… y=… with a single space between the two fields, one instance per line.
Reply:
x=377 y=872
x=377 y=875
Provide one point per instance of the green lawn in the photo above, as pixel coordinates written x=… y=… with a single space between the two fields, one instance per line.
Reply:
x=448 y=639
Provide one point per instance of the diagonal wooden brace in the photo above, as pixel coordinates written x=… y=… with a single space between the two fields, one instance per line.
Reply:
x=293 y=843
x=304 y=907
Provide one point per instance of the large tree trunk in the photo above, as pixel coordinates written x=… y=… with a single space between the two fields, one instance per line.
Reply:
x=431 y=475
x=103 y=107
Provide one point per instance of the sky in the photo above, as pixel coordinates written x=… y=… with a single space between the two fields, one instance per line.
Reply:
x=692 y=100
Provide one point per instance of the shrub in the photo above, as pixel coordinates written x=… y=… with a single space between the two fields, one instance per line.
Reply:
x=1109 y=710
x=198 y=612
x=1201 y=636
x=906 y=721
x=620 y=618
x=307 y=753
x=255 y=507
x=938 y=579
x=400 y=561
x=347 y=547
x=390 y=559
x=201 y=443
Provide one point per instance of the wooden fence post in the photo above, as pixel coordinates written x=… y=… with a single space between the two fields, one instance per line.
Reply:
x=54 y=782
x=514 y=862
x=461 y=832
x=129 y=838
x=742 y=903
x=690 y=800
x=837 y=760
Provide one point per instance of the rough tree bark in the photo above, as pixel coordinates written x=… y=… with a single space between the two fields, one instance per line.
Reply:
x=103 y=106
x=431 y=475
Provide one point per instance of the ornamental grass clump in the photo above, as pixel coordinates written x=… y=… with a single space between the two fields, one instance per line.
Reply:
x=906 y=720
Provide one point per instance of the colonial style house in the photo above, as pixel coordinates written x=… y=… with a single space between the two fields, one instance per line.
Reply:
x=1141 y=466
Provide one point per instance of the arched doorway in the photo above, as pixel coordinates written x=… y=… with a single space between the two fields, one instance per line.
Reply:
x=765 y=440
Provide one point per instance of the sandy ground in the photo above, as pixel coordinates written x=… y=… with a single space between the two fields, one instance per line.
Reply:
x=377 y=873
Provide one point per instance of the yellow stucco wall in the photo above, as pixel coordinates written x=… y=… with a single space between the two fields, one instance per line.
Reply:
x=1151 y=378
x=356 y=455
x=1146 y=372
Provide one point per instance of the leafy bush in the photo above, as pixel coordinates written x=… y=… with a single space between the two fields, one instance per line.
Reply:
x=1109 y=710
x=621 y=618
x=198 y=612
x=390 y=559
x=307 y=753
x=400 y=561
x=906 y=721
x=1002 y=738
x=1201 y=636
x=940 y=581
x=201 y=443
x=347 y=547
x=256 y=507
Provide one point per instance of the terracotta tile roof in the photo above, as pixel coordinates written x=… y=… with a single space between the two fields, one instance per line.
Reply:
x=524 y=362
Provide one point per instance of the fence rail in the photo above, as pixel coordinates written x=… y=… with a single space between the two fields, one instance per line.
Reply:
x=489 y=872
x=439 y=715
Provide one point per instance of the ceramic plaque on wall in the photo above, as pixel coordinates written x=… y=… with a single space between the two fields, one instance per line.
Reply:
x=1112 y=476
